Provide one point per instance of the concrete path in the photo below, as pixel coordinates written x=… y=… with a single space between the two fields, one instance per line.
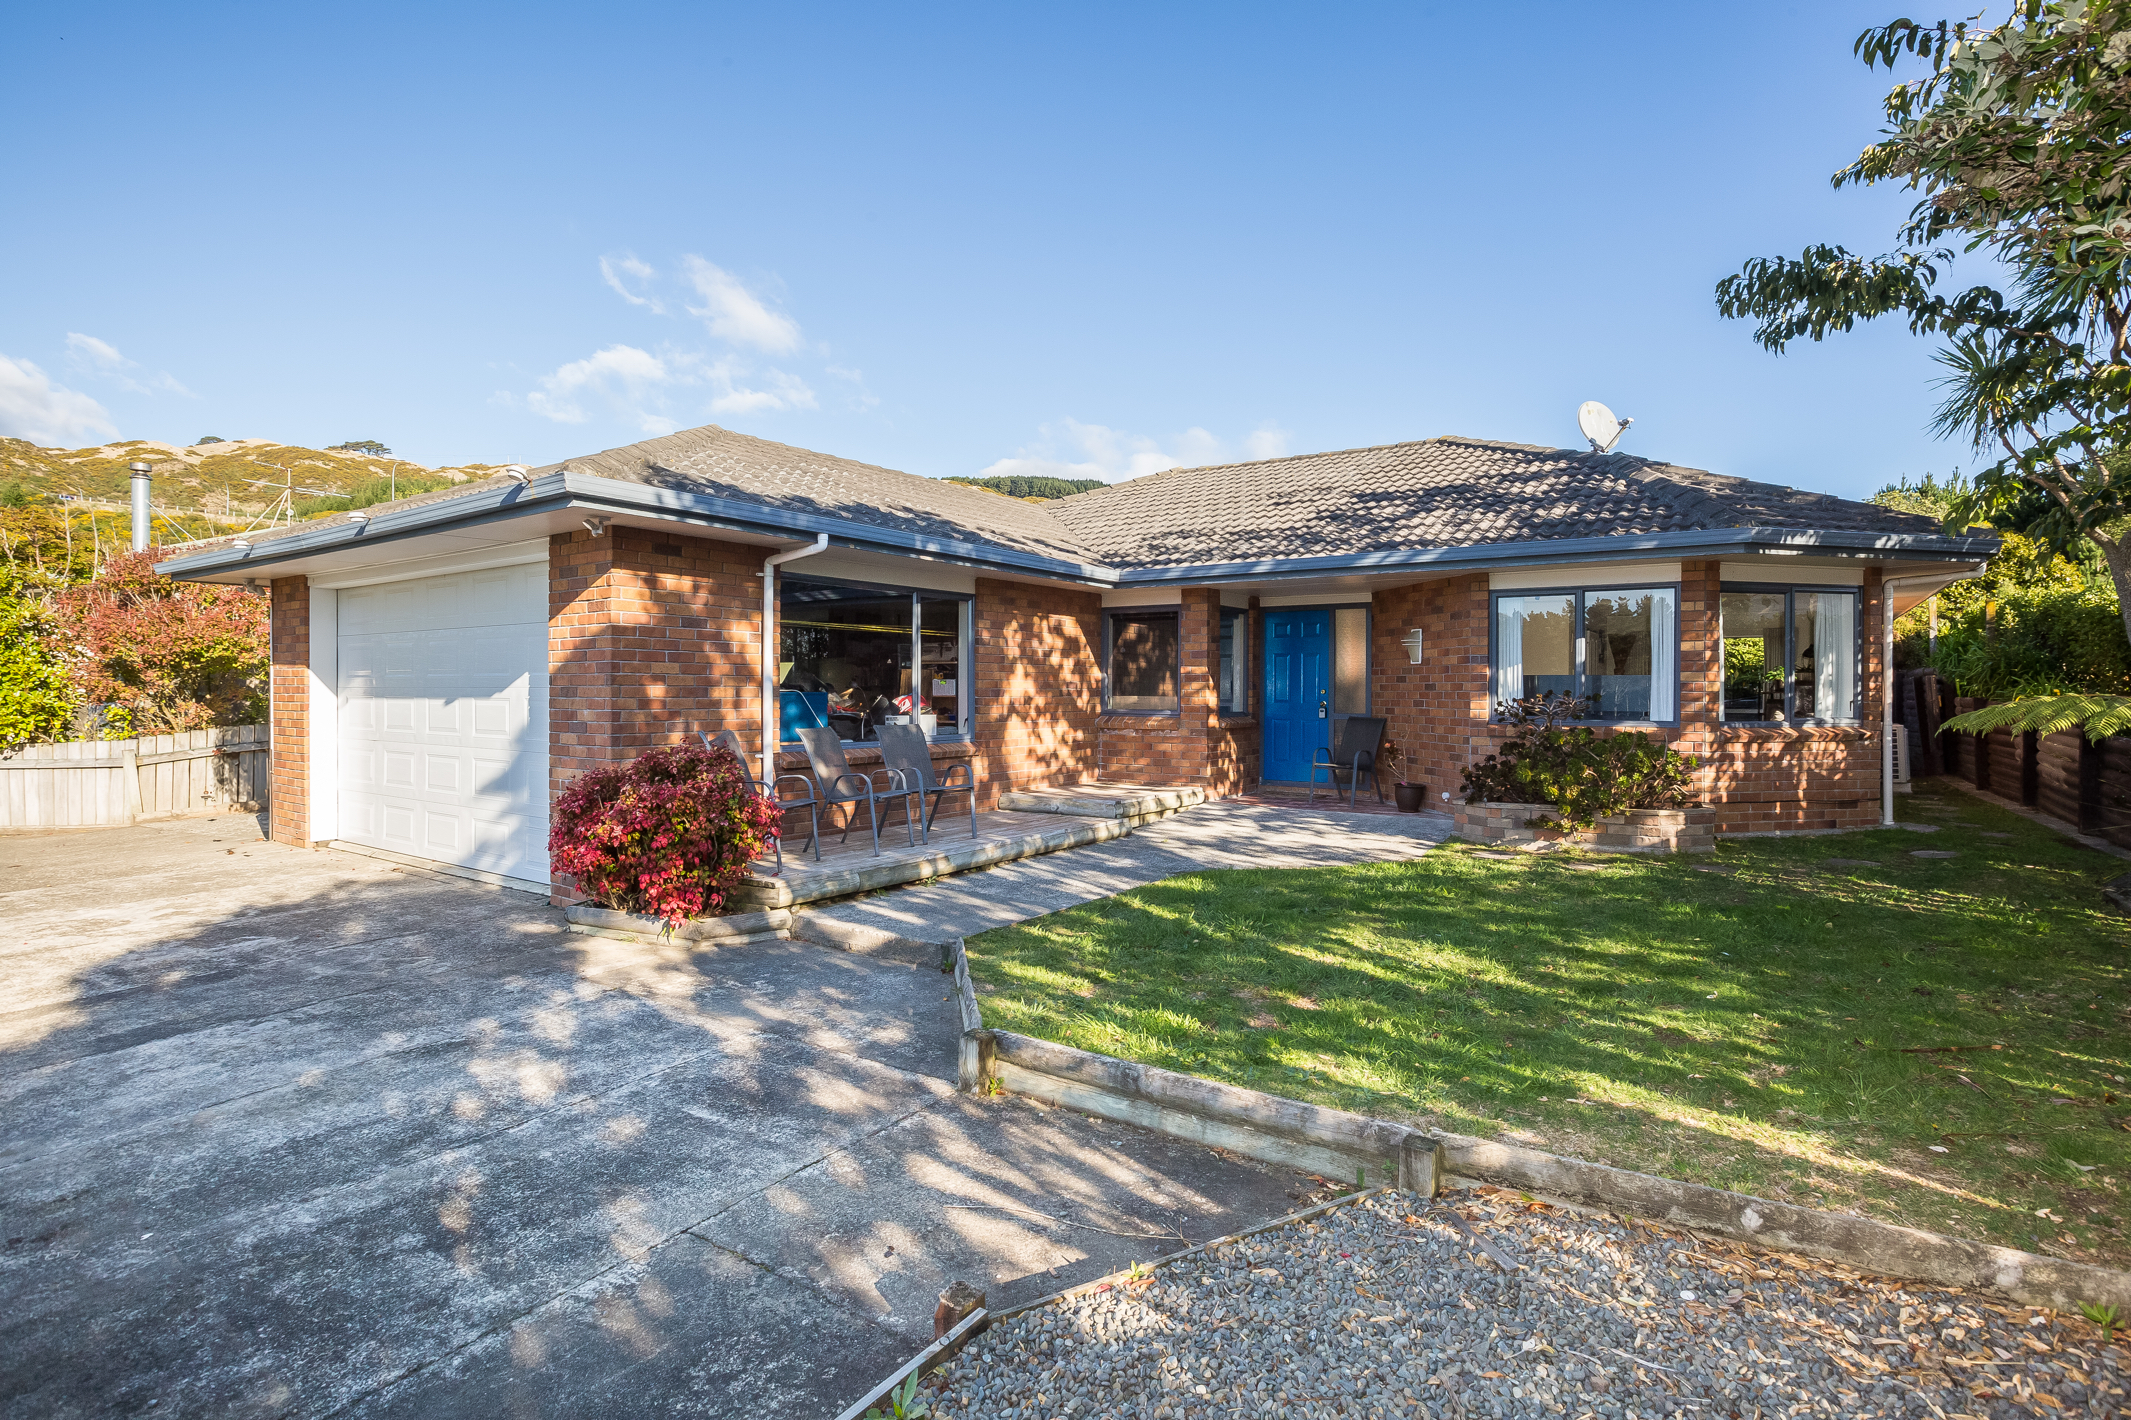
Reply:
x=286 y=1132
x=1224 y=834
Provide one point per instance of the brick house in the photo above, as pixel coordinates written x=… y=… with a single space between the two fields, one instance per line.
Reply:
x=445 y=663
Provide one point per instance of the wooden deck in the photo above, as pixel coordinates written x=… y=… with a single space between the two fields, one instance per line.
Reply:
x=851 y=866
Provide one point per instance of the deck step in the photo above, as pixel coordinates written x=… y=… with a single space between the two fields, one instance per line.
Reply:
x=1127 y=803
x=846 y=874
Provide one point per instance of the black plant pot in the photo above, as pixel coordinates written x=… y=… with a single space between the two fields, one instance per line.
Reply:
x=1409 y=796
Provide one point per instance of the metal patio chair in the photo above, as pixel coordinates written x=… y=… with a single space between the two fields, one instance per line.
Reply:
x=842 y=786
x=730 y=739
x=905 y=750
x=1352 y=757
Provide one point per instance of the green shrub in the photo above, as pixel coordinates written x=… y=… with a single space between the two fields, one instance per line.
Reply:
x=36 y=697
x=1585 y=775
x=2032 y=624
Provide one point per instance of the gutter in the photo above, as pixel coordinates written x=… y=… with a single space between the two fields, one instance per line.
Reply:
x=1707 y=542
x=770 y=648
x=566 y=489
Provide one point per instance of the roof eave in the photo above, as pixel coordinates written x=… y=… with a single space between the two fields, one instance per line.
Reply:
x=1714 y=542
x=564 y=488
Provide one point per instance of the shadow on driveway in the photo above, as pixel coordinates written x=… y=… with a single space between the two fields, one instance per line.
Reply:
x=294 y=1132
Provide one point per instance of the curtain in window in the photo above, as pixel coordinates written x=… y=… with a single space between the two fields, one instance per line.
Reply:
x=1664 y=657
x=1834 y=655
x=1509 y=650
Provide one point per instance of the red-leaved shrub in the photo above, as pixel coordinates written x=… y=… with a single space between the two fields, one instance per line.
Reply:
x=670 y=835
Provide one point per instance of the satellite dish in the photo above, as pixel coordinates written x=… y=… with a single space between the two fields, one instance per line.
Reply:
x=1600 y=426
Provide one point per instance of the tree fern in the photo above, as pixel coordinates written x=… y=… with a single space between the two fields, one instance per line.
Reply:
x=2100 y=716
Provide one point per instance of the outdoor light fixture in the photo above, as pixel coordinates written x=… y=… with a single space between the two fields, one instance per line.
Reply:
x=1412 y=642
x=596 y=525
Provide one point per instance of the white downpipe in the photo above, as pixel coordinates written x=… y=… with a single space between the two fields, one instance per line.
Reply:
x=769 y=649
x=1886 y=693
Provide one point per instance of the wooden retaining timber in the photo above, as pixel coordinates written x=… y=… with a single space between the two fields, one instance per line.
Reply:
x=94 y=783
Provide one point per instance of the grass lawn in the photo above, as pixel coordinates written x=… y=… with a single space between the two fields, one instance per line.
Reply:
x=1753 y=1022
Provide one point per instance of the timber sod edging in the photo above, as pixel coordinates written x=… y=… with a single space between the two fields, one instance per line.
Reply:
x=1338 y=1144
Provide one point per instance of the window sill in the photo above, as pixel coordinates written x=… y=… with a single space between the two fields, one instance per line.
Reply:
x=1602 y=724
x=1768 y=730
x=1142 y=714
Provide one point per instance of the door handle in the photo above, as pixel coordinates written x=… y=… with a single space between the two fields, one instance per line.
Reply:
x=1323 y=712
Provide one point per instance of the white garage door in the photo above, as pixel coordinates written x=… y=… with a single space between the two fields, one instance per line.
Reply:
x=443 y=718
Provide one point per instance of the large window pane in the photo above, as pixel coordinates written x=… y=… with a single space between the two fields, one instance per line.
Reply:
x=1753 y=655
x=1235 y=661
x=1535 y=646
x=1629 y=646
x=1143 y=661
x=940 y=641
x=1824 y=664
x=844 y=658
x=1350 y=661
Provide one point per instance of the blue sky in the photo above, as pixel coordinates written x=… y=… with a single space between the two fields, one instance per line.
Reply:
x=1087 y=240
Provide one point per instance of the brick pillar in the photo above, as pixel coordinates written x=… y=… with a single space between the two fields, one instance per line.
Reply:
x=1701 y=672
x=653 y=637
x=289 y=791
x=583 y=718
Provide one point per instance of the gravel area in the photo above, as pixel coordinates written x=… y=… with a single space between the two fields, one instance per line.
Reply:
x=1384 y=1307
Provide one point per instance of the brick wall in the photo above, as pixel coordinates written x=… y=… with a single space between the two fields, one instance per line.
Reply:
x=1197 y=745
x=1038 y=690
x=289 y=802
x=1760 y=778
x=1766 y=779
x=652 y=637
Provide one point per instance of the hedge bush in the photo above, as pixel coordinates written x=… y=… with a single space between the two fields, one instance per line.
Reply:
x=1584 y=775
x=669 y=835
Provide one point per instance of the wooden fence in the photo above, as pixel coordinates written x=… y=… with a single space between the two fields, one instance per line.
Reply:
x=85 y=783
x=2065 y=775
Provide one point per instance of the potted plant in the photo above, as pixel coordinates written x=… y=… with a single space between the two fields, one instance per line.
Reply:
x=1409 y=797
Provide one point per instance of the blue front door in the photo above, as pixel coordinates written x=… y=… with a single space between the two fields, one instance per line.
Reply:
x=1298 y=691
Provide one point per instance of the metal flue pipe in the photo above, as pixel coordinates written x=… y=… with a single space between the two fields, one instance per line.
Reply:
x=140 y=472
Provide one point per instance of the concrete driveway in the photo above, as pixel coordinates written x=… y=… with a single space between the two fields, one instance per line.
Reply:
x=298 y=1132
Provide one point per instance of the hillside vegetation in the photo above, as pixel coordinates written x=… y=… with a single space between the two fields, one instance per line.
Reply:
x=235 y=478
x=1030 y=487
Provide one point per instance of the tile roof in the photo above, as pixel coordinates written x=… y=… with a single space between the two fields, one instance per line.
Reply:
x=1444 y=492
x=1433 y=493
x=719 y=462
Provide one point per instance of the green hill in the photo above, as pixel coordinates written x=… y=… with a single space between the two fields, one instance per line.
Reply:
x=234 y=478
x=1030 y=487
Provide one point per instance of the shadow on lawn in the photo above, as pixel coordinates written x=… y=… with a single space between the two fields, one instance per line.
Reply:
x=1764 y=1027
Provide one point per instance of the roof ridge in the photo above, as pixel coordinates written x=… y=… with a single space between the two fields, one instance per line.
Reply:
x=1144 y=479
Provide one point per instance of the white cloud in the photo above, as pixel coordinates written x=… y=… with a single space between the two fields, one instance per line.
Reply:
x=1071 y=449
x=861 y=396
x=33 y=408
x=735 y=314
x=1267 y=441
x=644 y=389
x=622 y=377
x=615 y=268
x=101 y=358
x=772 y=389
